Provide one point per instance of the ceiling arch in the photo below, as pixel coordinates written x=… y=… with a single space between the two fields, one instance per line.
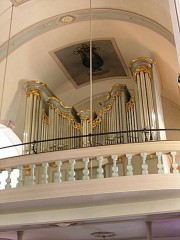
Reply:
x=79 y=16
x=139 y=28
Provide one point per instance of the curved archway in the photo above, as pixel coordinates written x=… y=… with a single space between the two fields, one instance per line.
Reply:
x=9 y=138
x=79 y=16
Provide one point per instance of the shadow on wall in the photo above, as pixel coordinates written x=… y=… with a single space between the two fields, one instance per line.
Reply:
x=16 y=112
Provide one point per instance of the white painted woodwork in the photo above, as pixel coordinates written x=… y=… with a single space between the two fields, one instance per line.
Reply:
x=71 y=171
x=129 y=165
x=106 y=153
x=86 y=170
x=57 y=174
x=174 y=163
x=8 y=179
x=135 y=148
x=44 y=175
x=159 y=163
x=144 y=164
x=114 y=167
x=20 y=179
x=157 y=190
x=100 y=170
x=32 y=177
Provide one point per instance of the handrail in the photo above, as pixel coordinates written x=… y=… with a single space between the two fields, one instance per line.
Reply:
x=165 y=147
x=145 y=131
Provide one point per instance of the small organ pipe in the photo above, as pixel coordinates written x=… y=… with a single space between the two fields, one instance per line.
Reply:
x=144 y=99
x=140 y=102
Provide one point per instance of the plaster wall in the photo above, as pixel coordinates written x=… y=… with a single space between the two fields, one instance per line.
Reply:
x=171 y=113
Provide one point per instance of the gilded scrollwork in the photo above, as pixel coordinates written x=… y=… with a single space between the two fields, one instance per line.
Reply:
x=143 y=68
x=131 y=102
x=141 y=64
x=108 y=95
x=34 y=92
x=65 y=115
x=52 y=101
x=44 y=117
x=59 y=102
x=107 y=108
x=84 y=115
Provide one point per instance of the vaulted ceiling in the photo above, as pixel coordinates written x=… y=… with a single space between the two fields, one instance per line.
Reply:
x=40 y=27
x=138 y=28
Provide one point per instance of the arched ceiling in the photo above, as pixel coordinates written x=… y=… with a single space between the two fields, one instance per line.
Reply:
x=139 y=28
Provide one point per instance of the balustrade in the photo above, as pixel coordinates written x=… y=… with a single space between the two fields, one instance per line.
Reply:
x=91 y=163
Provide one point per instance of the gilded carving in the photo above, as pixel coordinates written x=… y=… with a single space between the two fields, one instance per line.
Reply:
x=147 y=59
x=131 y=102
x=57 y=100
x=143 y=68
x=33 y=92
x=107 y=108
x=44 y=117
x=109 y=94
x=84 y=115
x=141 y=64
x=63 y=114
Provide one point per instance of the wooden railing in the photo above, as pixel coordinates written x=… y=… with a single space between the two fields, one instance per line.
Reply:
x=95 y=162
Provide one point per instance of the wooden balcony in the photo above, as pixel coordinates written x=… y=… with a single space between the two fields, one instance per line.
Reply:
x=95 y=182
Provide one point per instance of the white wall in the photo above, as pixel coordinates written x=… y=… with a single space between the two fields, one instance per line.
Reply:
x=171 y=113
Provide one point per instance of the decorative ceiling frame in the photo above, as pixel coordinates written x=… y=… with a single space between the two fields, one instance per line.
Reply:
x=101 y=77
x=79 y=16
x=18 y=2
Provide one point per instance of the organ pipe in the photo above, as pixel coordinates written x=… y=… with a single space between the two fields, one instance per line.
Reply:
x=141 y=69
x=121 y=110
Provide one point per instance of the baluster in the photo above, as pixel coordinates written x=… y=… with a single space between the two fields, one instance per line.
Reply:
x=100 y=170
x=57 y=174
x=8 y=179
x=159 y=164
x=20 y=178
x=32 y=177
x=114 y=167
x=174 y=164
x=86 y=170
x=149 y=230
x=71 y=171
x=44 y=175
x=129 y=165
x=144 y=164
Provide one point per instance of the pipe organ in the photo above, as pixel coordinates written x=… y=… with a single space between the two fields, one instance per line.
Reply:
x=47 y=118
x=112 y=116
x=141 y=69
x=122 y=111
